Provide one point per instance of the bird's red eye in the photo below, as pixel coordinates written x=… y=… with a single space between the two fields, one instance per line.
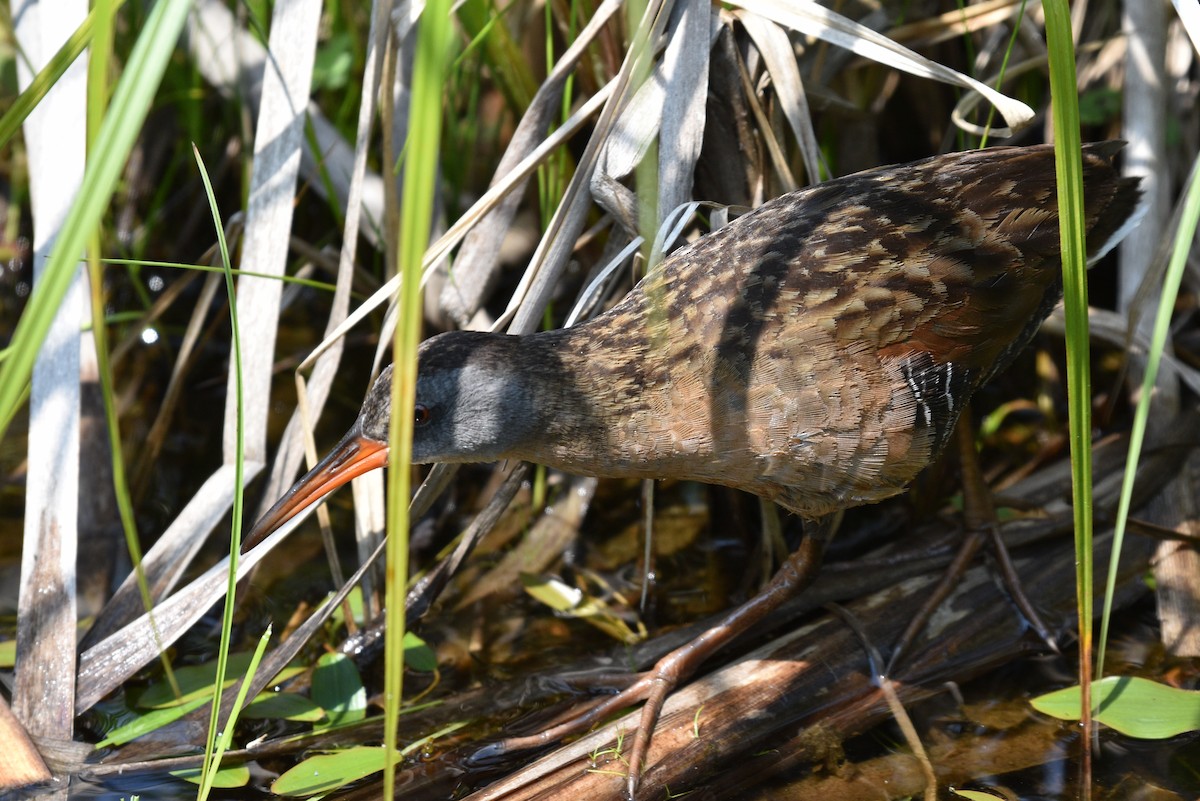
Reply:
x=422 y=414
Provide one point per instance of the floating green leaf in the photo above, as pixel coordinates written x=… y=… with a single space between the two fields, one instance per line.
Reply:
x=197 y=681
x=232 y=776
x=194 y=681
x=284 y=706
x=325 y=772
x=417 y=655
x=149 y=722
x=1133 y=706
x=338 y=689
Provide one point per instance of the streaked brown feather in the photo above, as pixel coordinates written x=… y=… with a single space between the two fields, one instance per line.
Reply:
x=777 y=364
x=818 y=349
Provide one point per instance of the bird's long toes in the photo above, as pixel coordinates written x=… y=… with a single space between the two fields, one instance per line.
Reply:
x=660 y=684
x=652 y=687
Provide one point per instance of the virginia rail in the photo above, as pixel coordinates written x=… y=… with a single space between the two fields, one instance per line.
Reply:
x=816 y=351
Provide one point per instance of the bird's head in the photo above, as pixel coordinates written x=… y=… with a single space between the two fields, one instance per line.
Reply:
x=474 y=403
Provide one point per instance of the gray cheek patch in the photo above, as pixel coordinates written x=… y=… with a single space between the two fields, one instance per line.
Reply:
x=484 y=404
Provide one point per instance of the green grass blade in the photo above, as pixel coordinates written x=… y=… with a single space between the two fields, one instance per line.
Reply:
x=212 y=748
x=1184 y=235
x=211 y=776
x=1069 y=169
x=102 y=19
x=431 y=61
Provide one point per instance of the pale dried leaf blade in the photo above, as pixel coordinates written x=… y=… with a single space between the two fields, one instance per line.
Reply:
x=970 y=101
x=960 y=21
x=635 y=129
x=291 y=447
x=231 y=59
x=640 y=121
x=279 y=138
x=477 y=264
x=780 y=60
x=54 y=138
x=172 y=554
x=1189 y=15
x=685 y=68
x=459 y=229
x=103 y=667
x=550 y=258
x=814 y=20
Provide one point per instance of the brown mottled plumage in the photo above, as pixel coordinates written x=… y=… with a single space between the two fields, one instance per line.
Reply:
x=816 y=351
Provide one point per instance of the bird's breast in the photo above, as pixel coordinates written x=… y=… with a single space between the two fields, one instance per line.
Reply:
x=802 y=417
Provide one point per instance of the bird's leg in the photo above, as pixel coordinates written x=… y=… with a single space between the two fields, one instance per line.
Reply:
x=979 y=518
x=979 y=513
x=653 y=686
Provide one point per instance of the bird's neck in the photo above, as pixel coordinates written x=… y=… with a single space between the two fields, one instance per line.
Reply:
x=603 y=397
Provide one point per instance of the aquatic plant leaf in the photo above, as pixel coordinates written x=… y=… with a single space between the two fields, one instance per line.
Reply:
x=417 y=655
x=1134 y=706
x=325 y=772
x=338 y=689
x=196 y=681
x=231 y=776
x=284 y=706
x=976 y=795
x=572 y=602
x=144 y=724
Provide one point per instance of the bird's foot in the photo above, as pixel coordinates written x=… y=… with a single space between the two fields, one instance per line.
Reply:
x=655 y=685
x=652 y=687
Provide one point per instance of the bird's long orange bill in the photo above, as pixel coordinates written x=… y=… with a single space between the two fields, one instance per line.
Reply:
x=352 y=457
